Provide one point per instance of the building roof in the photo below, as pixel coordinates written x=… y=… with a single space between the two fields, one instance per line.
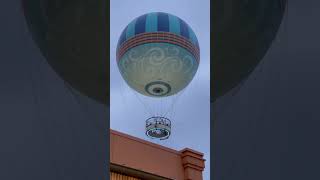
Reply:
x=143 y=158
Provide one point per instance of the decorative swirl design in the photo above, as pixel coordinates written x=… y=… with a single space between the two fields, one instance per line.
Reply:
x=173 y=51
x=155 y=55
x=151 y=62
x=189 y=64
x=134 y=55
x=171 y=65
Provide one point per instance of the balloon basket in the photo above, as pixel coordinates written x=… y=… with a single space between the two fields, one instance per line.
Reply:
x=158 y=127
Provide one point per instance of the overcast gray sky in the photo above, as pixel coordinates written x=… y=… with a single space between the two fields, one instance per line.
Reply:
x=191 y=123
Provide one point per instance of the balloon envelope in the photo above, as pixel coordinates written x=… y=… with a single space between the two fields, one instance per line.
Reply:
x=158 y=54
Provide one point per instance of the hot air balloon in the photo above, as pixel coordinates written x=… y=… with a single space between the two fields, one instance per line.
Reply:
x=158 y=55
x=72 y=36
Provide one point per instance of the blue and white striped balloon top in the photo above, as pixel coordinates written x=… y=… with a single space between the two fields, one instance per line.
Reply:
x=158 y=22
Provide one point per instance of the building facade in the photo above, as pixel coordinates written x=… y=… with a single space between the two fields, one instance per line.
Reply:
x=132 y=158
